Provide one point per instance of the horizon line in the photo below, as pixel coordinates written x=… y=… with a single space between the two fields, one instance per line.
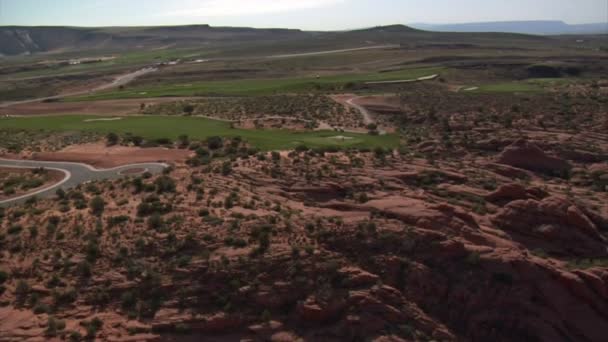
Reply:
x=296 y=28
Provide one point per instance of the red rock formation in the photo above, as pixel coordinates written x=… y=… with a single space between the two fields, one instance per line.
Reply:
x=555 y=224
x=526 y=155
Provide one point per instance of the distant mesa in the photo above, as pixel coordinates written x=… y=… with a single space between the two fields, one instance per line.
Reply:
x=538 y=27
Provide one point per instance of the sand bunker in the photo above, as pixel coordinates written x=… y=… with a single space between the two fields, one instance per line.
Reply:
x=341 y=137
x=104 y=119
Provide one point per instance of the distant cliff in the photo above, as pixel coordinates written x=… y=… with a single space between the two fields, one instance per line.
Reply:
x=17 y=40
x=539 y=27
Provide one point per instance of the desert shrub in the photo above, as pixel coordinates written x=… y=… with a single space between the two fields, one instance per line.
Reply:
x=92 y=250
x=65 y=297
x=163 y=141
x=235 y=242
x=164 y=184
x=226 y=168
x=128 y=300
x=262 y=235
x=22 y=290
x=188 y=109
x=75 y=336
x=215 y=143
x=84 y=269
x=60 y=193
x=302 y=148
x=3 y=277
x=97 y=205
x=41 y=308
x=112 y=139
x=15 y=229
x=152 y=204
x=116 y=220
x=183 y=141
x=202 y=152
x=155 y=221
x=53 y=326
x=92 y=327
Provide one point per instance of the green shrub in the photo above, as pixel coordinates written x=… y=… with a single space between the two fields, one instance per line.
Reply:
x=164 y=184
x=97 y=205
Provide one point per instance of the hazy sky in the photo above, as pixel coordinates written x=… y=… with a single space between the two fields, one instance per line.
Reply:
x=304 y=14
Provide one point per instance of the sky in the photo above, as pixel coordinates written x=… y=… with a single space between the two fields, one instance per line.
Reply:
x=302 y=14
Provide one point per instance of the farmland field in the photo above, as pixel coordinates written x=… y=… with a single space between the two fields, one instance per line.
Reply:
x=158 y=127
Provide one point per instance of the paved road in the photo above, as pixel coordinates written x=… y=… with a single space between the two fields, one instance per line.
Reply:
x=316 y=53
x=75 y=174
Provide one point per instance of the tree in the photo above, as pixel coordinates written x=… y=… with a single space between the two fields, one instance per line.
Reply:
x=97 y=205
x=60 y=193
x=164 y=184
x=215 y=143
x=188 y=109
x=111 y=139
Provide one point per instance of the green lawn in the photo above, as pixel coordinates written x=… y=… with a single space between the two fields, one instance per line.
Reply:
x=197 y=128
x=255 y=86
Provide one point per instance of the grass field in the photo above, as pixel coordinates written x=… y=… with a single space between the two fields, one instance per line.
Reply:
x=197 y=128
x=256 y=86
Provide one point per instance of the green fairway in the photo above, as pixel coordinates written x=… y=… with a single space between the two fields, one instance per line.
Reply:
x=256 y=86
x=197 y=128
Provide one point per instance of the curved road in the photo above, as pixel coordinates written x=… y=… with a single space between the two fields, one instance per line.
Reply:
x=367 y=116
x=75 y=174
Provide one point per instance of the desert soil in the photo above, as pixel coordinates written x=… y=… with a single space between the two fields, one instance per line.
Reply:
x=101 y=156
x=51 y=177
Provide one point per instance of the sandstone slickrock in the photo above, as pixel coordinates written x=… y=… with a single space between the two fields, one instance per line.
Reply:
x=552 y=223
x=526 y=155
